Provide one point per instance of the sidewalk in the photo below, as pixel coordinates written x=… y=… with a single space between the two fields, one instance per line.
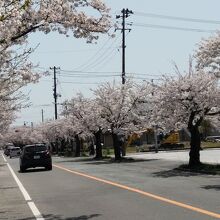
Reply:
x=12 y=203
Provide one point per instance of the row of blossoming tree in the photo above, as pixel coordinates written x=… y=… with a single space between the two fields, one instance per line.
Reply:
x=182 y=100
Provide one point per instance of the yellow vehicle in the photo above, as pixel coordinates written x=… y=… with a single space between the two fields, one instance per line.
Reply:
x=171 y=140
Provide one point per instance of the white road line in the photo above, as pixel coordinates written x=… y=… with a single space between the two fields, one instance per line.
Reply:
x=21 y=187
x=27 y=198
x=4 y=158
x=35 y=211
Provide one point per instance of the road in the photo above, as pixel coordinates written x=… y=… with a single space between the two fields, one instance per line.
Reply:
x=150 y=188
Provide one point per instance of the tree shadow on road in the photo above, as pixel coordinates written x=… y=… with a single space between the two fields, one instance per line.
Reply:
x=59 y=217
x=77 y=159
x=123 y=161
x=107 y=160
x=174 y=173
x=210 y=187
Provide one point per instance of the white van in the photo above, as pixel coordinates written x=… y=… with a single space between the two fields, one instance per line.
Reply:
x=14 y=152
x=213 y=138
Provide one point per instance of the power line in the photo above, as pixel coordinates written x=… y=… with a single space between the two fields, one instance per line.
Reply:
x=82 y=66
x=81 y=83
x=172 y=27
x=69 y=82
x=176 y=18
x=68 y=51
x=96 y=60
x=80 y=71
x=105 y=59
x=87 y=76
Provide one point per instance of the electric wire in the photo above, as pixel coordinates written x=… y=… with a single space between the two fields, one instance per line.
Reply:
x=102 y=56
x=67 y=51
x=88 y=61
x=69 y=82
x=87 y=76
x=176 y=18
x=172 y=28
x=98 y=73
x=105 y=60
x=79 y=71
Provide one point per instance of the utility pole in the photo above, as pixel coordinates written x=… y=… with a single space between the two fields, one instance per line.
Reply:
x=55 y=89
x=125 y=14
x=42 y=115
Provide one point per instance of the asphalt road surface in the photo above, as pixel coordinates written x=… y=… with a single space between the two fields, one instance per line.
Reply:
x=151 y=189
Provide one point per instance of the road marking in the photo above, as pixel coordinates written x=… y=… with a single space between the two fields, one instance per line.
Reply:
x=21 y=187
x=27 y=198
x=35 y=211
x=4 y=158
x=160 y=198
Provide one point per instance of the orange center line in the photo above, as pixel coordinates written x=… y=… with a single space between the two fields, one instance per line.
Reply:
x=160 y=198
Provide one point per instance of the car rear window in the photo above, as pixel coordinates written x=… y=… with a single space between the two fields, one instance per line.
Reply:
x=15 y=149
x=35 y=148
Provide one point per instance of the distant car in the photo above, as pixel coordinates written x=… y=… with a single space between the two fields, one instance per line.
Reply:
x=35 y=155
x=14 y=152
x=7 y=148
x=213 y=138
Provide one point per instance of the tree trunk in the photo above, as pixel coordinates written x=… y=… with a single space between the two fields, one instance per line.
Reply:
x=62 y=146
x=195 y=146
x=71 y=143
x=98 y=144
x=57 y=146
x=91 y=149
x=78 y=146
x=116 y=145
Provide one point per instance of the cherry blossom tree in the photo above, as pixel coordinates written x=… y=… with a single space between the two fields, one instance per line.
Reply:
x=86 y=113
x=6 y=114
x=53 y=133
x=208 y=54
x=122 y=109
x=83 y=18
x=13 y=75
x=23 y=135
x=19 y=18
x=185 y=100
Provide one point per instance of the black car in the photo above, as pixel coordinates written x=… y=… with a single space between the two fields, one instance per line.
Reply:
x=7 y=148
x=35 y=155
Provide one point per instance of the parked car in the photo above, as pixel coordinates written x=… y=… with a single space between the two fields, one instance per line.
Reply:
x=213 y=138
x=7 y=148
x=35 y=155
x=14 y=152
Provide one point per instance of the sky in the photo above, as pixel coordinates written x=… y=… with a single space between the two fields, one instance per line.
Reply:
x=162 y=32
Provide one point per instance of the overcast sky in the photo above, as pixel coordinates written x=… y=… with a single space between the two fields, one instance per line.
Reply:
x=162 y=32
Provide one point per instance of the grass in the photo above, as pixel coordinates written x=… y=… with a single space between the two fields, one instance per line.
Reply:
x=204 y=144
x=145 y=147
x=110 y=151
x=207 y=144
